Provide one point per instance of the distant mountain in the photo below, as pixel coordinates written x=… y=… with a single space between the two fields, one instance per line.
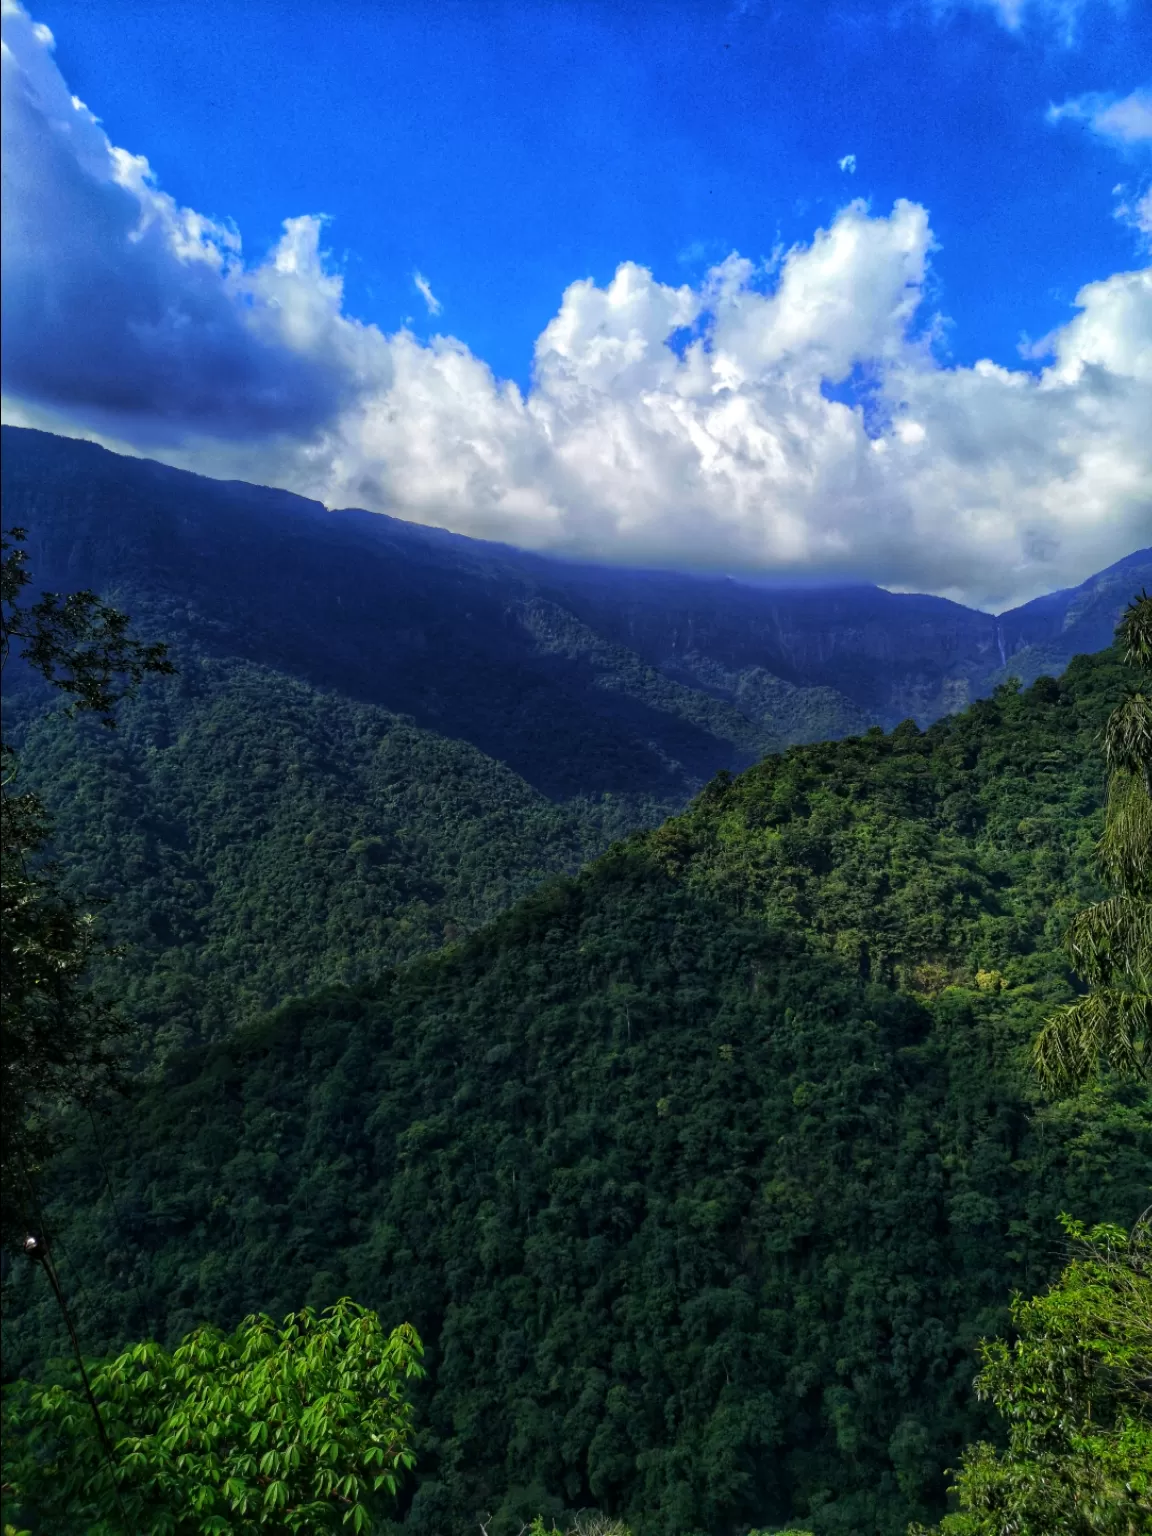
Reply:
x=582 y=679
x=1041 y=636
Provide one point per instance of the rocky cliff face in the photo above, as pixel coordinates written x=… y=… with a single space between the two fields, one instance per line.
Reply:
x=1039 y=637
x=582 y=678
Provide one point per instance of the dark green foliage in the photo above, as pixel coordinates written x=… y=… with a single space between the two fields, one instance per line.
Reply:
x=77 y=644
x=57 y=1041
x=255 y=838
x=1110 y=944
x=700 y=1174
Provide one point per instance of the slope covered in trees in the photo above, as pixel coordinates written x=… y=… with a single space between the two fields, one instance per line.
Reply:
x=255 y=837
x=267 y=823
x=700 y=1174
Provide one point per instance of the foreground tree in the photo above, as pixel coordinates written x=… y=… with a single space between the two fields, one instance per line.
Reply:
x=1076 y=1390
x=1110 y=944
x=57 y=1043
x=301 y=1428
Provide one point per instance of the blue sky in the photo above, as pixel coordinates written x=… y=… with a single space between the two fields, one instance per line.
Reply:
x=839 y=416
x=504 y=150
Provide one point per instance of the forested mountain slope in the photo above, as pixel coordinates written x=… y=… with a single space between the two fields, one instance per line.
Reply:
x=266 y=823
x=254 y=837
x=579 y=678
x=474 y=641
x=700 y=1173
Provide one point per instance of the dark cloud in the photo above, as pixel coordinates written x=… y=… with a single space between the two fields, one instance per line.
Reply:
x=119 y=304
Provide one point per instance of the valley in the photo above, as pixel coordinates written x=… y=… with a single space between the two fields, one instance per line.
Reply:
x=576 y=768
x=695 y=1139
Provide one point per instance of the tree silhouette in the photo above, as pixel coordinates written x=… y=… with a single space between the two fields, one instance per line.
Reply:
x=57 y=1040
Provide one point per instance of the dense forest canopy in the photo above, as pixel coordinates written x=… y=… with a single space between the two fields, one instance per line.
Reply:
x=255 y=837
x=699 y=1173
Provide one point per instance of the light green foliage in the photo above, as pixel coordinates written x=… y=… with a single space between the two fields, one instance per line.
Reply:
x=305 y=1427
x=1110 y=944
x=1076 y=1390
x=585 y=1524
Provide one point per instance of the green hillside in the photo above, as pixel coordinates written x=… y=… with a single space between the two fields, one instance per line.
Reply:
x=255 y=837
x=699 y=1173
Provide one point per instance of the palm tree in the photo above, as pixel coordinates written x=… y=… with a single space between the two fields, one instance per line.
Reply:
x=1110 y=944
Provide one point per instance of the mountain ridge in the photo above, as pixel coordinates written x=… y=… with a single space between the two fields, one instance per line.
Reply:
x=656 y=680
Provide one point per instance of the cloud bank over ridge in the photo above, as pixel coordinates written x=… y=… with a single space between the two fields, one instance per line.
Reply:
x=690 y=425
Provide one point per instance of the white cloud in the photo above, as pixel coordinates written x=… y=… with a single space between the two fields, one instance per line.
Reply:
x=1059 y=18
x=1011 y=12
x=1122 y=120
x=425 y=290
x=1135 y=210
x=848 y=164
x=132 y=320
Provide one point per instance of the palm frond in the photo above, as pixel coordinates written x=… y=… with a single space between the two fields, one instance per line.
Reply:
x=1134 y=632
x=1128 y=736
x=1109 y=1027
x=1111 y=942
x=1125 y=850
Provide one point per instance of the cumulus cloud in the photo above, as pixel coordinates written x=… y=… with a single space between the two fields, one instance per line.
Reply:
x=425 y=290
x=120 y=304
x=1122 y=120
x=848 y=163
x=684 y=425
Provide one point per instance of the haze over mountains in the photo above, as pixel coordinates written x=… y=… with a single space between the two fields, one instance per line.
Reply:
x=582 y=679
